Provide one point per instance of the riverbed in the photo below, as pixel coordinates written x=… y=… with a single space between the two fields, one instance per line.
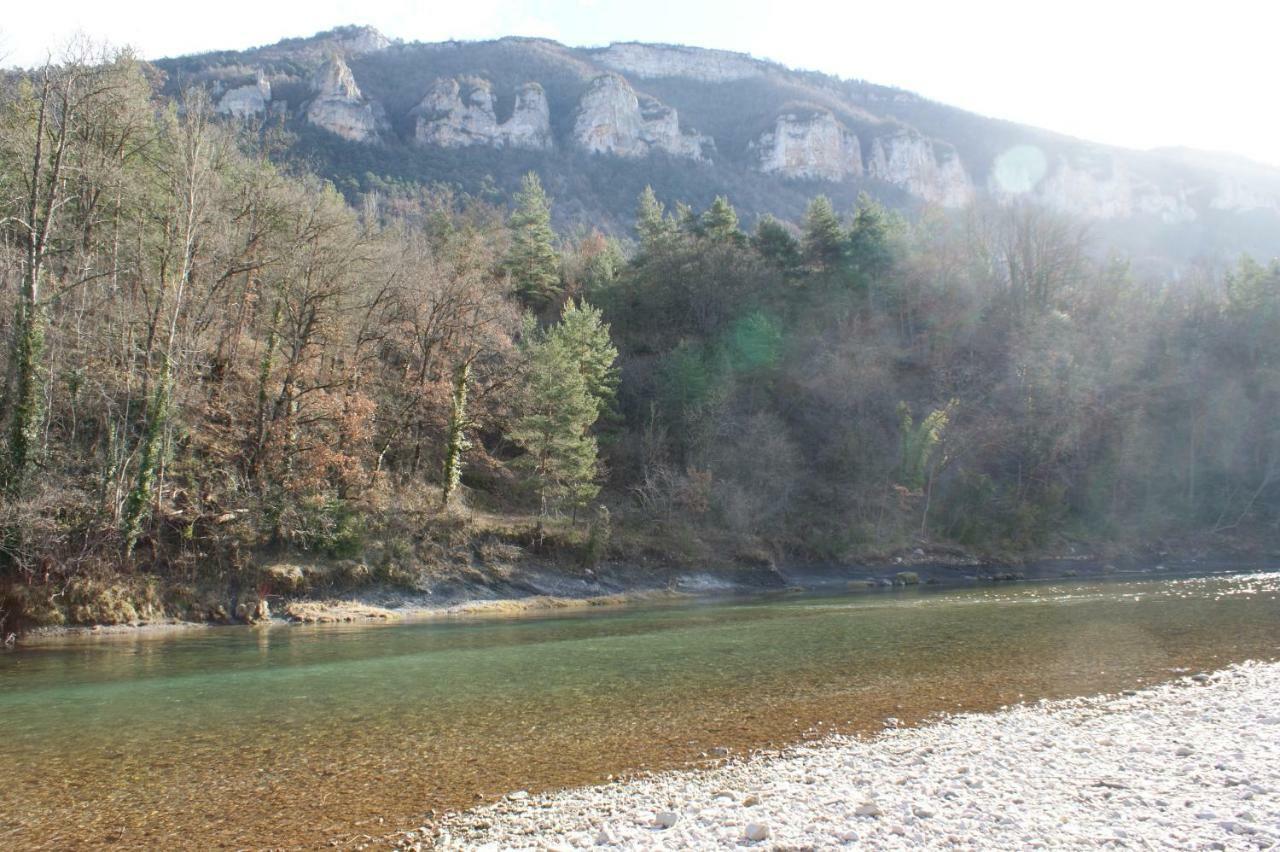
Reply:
x=301 y=736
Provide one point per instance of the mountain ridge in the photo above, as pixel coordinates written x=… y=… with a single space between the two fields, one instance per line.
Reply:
x=696 y=122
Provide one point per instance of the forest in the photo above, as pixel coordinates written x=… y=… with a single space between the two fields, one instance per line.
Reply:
x=215 y=363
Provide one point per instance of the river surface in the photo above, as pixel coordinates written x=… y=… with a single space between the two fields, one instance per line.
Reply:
x=299 y=737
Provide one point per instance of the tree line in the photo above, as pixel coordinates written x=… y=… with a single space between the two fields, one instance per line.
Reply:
x=212 y=356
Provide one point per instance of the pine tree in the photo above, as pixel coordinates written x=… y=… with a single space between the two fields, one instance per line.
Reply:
x=720 y=222
x=823 y=236
x=532 y=262
x=554 y=430
x=871 y=239
x=652 y=225
x=777 y=245
x=585 y=337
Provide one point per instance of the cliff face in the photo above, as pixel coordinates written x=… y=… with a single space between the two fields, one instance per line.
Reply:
x=459 y=113
x=926 y=168
x=810 y=146
x=765 y=134
x=612 y=119
x=339 y=106
x=246 y=101
x=649 y=61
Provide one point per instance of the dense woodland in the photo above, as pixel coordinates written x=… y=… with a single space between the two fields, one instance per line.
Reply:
x=214 y=360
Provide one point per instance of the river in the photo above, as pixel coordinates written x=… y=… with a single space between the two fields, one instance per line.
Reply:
x=292 y=736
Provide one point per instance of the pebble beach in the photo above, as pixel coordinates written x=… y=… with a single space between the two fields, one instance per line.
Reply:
x=1193 y=763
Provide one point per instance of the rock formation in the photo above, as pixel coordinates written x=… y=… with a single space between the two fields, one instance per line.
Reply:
x=340 y=108
x=246 y=101
x=925 y=168
x=613 y=119
x=1092 y=185
x=814 y=145
x=459 y=113
x=661 y=60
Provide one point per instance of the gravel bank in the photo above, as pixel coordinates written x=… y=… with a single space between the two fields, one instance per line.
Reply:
x=1193 y=764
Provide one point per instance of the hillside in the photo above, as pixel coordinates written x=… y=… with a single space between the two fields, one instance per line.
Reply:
x=598 y=124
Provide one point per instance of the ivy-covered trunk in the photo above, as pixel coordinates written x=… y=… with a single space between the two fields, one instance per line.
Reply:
x=23 y=397
x=457 y=437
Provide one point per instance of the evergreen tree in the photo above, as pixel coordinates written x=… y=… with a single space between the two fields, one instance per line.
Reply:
x=720 y=222
x=823 y=236
x=652 y=224
x=532 y=261
x=585 y=337
x=777 y=244
x=871 y=250
x=554 y=430
x=687 y=222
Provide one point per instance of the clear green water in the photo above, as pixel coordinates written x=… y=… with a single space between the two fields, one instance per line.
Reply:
x=295 y=737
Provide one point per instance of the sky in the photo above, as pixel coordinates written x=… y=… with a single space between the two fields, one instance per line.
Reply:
x=1137 y=73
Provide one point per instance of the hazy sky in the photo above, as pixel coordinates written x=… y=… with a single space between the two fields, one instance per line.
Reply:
x=1140 y=73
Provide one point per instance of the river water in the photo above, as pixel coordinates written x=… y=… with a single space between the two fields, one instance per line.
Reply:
x=291 y=736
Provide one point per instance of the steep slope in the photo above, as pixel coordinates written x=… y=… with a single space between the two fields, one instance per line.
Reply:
x=601 y=123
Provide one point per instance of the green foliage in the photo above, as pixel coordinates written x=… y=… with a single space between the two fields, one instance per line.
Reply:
x=532 y=261
x=720 y=222
x=584 y=336
x=755 y=342
x=824 y=240
x=554 y=427
x=920 y=442
x=778 y=245
x=652 y=225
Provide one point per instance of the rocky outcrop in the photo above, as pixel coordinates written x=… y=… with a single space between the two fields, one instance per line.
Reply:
x=1091 y=185
x=813 y=145
x=660 y=60
x=1242 y=196
x=246 y=101
x=340 y=108
x=354 y=40
x=613 y=119
x=1105 y=189
x=460 y=113
x=925 y=168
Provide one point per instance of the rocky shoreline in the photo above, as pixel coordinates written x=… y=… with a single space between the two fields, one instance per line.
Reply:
x=541 y=588
x=1190 y=764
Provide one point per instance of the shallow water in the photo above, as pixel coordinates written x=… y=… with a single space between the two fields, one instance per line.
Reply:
x=295 y=737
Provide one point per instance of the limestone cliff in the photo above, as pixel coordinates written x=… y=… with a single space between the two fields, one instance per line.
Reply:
x=813 y=145
x=457 y=113
x=662 y=60
x=246 y=101
x=1105 y=189
x=1089 y=184
x=339 y=106
x=612 y=119
x=928 y=169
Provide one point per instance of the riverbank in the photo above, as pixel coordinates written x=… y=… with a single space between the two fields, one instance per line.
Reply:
x=539 y=586
x=1190 y=764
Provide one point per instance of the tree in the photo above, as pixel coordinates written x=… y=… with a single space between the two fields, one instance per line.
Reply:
x=720 y=222
x=778 y=245
x=554 y=428
x=532 y=261
x=823 y=236
x=870 y=236
x=653 y=226
x=456 y=440
x=585 y=338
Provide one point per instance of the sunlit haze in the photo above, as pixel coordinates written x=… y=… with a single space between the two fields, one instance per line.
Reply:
x=1138 y=74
